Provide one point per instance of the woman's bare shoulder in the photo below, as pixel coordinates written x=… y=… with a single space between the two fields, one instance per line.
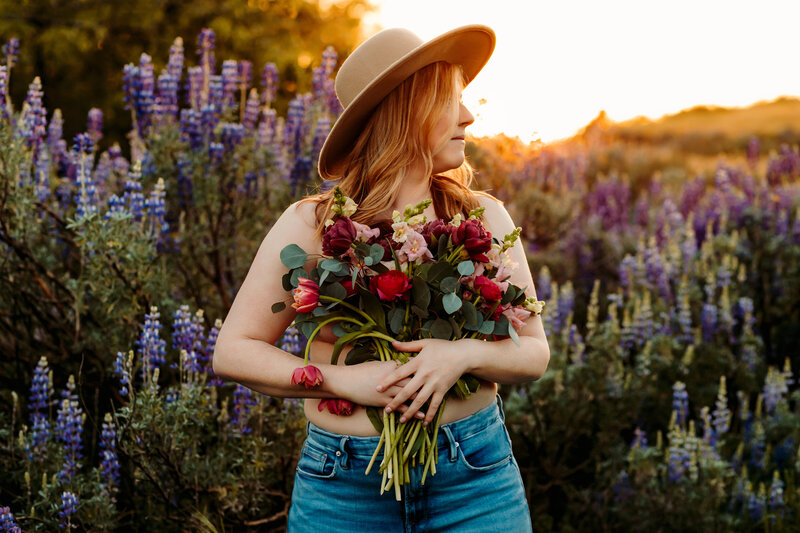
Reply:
x=495 y=215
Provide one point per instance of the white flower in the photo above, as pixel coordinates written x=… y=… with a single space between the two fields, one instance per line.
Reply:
x=534 y=306
x=349 y=207
x=401 y=230
x=457 y=220
x=416 y=220
x=397 y=216
x=329 y=222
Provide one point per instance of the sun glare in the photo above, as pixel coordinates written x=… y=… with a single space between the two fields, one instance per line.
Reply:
x=558 y=64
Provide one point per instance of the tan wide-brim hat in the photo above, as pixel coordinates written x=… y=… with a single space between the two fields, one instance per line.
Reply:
x=383 y=62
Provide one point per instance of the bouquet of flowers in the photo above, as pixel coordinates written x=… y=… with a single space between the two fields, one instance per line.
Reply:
x=418 y=279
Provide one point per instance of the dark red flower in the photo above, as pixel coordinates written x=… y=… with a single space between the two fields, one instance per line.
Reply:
x=348 y=286
x=308 y=375
x=390 y=285
x=476 y=240
x=437 y=228
x=488 y=289
x=338 y=237
x=306 y=296
x=337 y=406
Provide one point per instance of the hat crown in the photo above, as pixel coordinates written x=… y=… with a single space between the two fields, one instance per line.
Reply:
x=371 y=60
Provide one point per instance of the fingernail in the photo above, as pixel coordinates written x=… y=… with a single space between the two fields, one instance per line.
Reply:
x=420 y=415
x=402 y=419
x=379 y=388
x=388 y=409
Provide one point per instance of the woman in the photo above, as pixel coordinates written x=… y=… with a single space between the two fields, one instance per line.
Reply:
x=399 y=140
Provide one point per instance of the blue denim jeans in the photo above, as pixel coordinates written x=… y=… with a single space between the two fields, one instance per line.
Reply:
x=477 y=486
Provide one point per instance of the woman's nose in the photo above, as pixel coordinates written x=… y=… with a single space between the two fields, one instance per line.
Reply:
x=465 y=118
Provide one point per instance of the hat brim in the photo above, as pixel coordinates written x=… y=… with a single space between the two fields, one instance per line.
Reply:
x=469 y=46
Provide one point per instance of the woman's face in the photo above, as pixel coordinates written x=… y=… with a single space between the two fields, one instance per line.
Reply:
x=447 y=140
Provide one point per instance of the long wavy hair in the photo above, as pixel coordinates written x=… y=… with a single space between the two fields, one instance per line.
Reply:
x=396 y=137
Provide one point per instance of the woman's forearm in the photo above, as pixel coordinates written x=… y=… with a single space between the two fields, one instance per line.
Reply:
x=504 y=362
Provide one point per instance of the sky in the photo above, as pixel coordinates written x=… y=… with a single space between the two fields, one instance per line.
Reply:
x=558 y=63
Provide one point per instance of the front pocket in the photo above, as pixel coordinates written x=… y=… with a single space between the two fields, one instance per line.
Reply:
x=487 y=449
x=316 y=463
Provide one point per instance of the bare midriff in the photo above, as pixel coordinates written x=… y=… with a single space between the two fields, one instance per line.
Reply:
x=358 y=423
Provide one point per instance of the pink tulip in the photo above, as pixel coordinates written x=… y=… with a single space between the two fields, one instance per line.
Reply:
x=306 y=296
x=337 y=406
x=308 y=375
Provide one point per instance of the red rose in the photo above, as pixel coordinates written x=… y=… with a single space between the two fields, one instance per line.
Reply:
x=390 y=285
x=348 y=286
x=487 y=288
x=308 y=375
x=437 y=228
x=476 y=240
x=306 y=296
x=338 y=237
x=337 y=406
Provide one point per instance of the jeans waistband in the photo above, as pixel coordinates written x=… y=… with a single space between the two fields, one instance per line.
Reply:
x=449 y=434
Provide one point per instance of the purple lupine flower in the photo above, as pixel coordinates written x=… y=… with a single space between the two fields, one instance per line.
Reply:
x=216 y=151
x=626 y=270
x=130 y=87
x=4 y=111
x=267 y=128
x=566 y=303
x=774 y=390
x=133 y=197
x=293 y=341
x=208 y=121
x=230 y=81
x=216 y=93
x=640 y=438
x=784 y=166
x=708 y=318
x=756 y=504
x=69 y=427
x=40 y=401
x=752 y=151
x=232 y=135
x=721 y=415
x=320 y=134
x=7 y=522
x=86 y=196
x=145 y=100
x=156 y=209
x=166 y=106
x=776 y=502
x=251 y=111
x=293 y=132
x=575 y=339
x=243 y=402
x=94 y=125
x=205 y=49
x=191 y=129
x=54 y=141
x=269 y=83
x=109 y=463
x=34 y=116
x=188 y=336
x=758 y=457
x=123 y=368
x=543 y=284
x=175 y=61
x=151 y=347
x=185 y=186
x=69 y=506
x=11 y=52
x=676 y=463
x=329 y=60
x=680 y=402
x=194 y=87
x=119 y=164
x=208 y=353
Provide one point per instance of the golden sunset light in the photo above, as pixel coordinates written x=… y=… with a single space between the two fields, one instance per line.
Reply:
x=558 y=64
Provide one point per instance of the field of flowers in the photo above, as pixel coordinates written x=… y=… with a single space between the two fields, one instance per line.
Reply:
x=673 y=317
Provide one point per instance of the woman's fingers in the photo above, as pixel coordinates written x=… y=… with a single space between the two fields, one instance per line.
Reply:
x=416 y=405
x=436 y=401
x=398 y=376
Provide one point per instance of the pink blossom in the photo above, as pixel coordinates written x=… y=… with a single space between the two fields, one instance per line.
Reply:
x=364 y=233
x=415 y=247
x=308 y=375
x=517 y=316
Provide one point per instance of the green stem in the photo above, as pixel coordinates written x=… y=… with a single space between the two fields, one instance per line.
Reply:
x=349 y=306
x=319 y=327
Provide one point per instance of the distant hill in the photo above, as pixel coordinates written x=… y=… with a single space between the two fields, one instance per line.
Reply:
x=707 y=129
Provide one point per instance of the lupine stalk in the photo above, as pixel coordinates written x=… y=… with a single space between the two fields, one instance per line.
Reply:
x=69 y=506
x=109 y=463
x=243 y=402
x=7 y=522
x=69 y=428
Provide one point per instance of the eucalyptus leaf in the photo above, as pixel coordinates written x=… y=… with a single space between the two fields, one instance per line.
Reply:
x=509 y=295
x=286 y=281
x=372 y=306
x=376 y=253
x=466 y=268
x=319 y=311
x=451 y=303
x=368 y=261
x=441 y=329
x=323 y=277
x=439 y=271
x=449 y=284
x=420 y=292
x=297 y=275
x=307 y=328
x=396 y=317
x=501 y=327
x=470 y=313
x=419 y=311
x=292 y=256
x=487 y=327
x=441 y=248
x=277 y=307
x=457 y=333
x=513 y=333
x=334 y=290
x=333 y=266
x=338 y=330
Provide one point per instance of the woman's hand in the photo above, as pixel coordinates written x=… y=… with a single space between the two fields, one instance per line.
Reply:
x=357 y=383
x=435 y=369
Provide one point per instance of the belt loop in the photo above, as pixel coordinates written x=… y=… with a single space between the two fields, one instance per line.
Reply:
x=453 y=443
x=500 y=407
x=342 y=452
x=308 y=427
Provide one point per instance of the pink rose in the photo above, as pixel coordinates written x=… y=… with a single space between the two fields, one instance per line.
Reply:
x=390 y=285
x=306 y=296
x=308 y=375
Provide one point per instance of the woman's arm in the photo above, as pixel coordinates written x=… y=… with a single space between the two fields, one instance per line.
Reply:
x=440 y=363
x=245 y=350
